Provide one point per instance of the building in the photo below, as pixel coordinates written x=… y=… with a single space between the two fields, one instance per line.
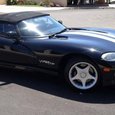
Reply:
x=2 y=1
x=60 y=2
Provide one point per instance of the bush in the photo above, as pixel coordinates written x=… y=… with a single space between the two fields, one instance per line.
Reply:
x=11 y=2
x=45 y=3
x=21 y=2
x=30 y=2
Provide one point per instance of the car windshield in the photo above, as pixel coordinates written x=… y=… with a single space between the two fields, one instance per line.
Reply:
x=40 y=26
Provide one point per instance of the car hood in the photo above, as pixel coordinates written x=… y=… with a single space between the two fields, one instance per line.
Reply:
x=91 y=37
x=105 y=34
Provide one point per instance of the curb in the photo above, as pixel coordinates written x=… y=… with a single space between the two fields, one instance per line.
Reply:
x=91 y=7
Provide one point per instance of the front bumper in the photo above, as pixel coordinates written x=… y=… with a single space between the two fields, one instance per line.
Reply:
x=108 y=77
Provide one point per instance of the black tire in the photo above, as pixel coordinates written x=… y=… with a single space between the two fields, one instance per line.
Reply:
x=84 y=79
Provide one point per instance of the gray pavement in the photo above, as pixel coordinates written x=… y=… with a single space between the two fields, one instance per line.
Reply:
x=32 y=93
x=101 y=18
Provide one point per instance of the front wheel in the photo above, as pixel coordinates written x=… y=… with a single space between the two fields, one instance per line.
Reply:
x=82 y=74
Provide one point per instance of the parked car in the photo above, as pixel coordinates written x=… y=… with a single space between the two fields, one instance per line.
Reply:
x=85 y=57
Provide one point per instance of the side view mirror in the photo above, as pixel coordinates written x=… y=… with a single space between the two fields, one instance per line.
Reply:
x=60 y=21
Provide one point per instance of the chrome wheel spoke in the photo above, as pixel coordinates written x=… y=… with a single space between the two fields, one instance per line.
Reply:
x=90 y=77
x=86 y=69
x=86 y=75
x=83 y=83
x=77 y=77
x=78 y=69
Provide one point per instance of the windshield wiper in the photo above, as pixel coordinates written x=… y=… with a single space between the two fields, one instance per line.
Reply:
x=62 y=31
x=53 y=35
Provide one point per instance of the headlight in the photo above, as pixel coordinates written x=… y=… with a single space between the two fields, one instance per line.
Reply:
x=108 y=56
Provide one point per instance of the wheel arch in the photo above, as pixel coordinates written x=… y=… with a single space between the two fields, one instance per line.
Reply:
x=68 y=57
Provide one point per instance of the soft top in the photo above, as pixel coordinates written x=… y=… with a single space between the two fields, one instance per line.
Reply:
x=19 y=16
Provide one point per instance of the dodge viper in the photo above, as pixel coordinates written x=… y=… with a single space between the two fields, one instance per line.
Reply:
x=85 y=57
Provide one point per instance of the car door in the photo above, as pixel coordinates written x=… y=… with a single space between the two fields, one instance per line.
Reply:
x=12 y=50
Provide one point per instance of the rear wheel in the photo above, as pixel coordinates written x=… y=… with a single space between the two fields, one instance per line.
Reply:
x=82 y=74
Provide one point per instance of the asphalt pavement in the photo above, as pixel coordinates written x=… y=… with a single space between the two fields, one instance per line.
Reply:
x=100 y=18
x=34 y=93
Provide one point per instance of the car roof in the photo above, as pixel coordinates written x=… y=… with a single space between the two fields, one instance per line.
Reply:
x=19 y=16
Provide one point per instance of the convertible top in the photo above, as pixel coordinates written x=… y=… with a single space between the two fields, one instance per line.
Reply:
x=19 y=16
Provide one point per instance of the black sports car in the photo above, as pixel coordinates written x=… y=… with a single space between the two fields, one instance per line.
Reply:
x=35 y=41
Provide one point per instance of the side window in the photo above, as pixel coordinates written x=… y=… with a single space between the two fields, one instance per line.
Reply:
x=9 y=28
x=9 y=31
